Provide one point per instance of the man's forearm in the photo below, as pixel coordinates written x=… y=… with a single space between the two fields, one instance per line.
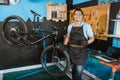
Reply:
x=91 y=40
x=66 y=40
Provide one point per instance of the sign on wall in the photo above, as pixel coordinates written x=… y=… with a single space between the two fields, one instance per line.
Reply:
x=98 y=18
x=56 y=12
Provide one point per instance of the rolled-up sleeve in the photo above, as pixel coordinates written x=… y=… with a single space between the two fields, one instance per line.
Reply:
x=69 y=29
x=89 y=31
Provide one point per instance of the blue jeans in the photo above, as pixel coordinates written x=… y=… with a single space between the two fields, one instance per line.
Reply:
x=77 y=72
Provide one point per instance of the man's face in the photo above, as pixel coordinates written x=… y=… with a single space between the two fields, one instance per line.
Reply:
x=78 y=16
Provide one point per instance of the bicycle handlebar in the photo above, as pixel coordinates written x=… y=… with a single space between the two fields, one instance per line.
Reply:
x=34 y=13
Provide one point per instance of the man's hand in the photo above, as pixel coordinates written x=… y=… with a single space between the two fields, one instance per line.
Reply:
x=67 y=46
x=84 y=43
x=63 y=48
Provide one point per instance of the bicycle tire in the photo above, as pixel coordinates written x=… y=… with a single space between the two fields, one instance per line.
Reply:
x=7 y=29
x=44 y=62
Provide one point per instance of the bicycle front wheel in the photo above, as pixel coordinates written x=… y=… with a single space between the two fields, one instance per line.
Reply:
x=55 y=61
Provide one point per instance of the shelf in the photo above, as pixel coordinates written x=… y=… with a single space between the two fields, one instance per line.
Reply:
x=117 y=27
x=63 y=11
x=111 y=35
x=115 y=19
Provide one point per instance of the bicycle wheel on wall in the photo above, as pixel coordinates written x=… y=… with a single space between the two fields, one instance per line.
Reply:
x=55 y=61
x=13 y=30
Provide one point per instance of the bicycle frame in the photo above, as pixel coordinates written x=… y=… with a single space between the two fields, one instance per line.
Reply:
x=26 y=42
x=55 y=34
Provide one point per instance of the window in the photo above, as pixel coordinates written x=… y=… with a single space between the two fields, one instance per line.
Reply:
x=4 y=2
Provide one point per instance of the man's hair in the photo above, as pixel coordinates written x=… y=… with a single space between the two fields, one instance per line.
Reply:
x=78 y=9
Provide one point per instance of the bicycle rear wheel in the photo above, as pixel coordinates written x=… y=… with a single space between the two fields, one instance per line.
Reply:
x=13 y=30
x=55 y=61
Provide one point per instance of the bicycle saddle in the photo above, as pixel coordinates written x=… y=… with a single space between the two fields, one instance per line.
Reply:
x=34 y=13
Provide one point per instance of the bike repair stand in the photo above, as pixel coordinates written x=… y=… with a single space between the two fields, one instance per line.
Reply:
x=41 y=70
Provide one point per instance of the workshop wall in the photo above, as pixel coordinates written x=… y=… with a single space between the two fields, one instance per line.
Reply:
x=98 y=44
x=23 y=8
x=103 y=45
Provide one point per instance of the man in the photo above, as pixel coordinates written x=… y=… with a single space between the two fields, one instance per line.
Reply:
x=79 y=35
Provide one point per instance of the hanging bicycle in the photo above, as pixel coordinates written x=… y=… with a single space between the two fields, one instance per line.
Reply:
x=15 y=32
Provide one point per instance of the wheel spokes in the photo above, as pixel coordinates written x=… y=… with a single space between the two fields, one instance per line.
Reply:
x=13 y=27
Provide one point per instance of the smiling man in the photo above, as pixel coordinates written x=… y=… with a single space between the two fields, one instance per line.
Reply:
x=79 y=35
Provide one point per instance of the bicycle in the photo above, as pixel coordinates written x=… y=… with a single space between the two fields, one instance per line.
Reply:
x=17 y=33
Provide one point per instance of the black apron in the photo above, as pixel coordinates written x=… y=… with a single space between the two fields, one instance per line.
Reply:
x=78 y=55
